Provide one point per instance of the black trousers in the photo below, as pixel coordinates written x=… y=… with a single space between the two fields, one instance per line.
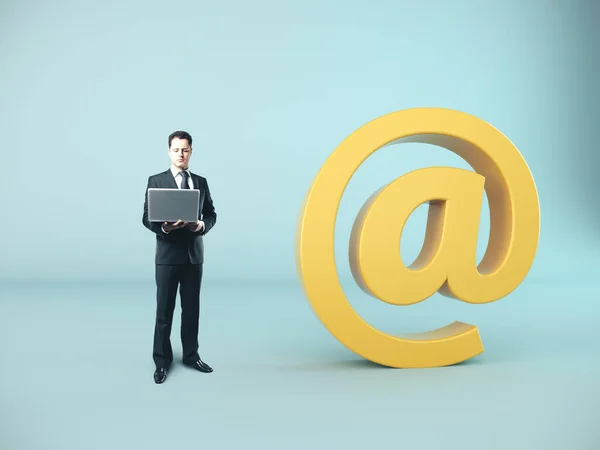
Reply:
x=188 y=278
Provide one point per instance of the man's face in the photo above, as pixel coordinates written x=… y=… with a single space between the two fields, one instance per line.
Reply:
x=180 y=152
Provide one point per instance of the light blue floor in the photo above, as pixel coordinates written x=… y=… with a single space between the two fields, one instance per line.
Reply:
x=77 y=373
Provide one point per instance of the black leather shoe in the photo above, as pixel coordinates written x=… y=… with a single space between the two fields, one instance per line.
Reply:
x=200 y=366
x=160 y=375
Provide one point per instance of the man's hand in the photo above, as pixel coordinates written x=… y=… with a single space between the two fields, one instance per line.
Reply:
x=195 y=226
x=170 y=226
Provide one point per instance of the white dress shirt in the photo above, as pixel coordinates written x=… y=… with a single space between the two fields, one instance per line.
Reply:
x=178 y=179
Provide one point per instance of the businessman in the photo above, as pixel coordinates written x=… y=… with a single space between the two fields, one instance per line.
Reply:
x=179 y=260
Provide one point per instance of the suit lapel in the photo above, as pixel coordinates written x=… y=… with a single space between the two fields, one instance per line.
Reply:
x=169 y=180
x=196 y=181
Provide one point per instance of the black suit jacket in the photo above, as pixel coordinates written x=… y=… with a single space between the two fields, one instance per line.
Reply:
x=178 y=245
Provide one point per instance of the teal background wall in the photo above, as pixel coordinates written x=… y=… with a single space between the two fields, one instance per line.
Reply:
x=90 y=92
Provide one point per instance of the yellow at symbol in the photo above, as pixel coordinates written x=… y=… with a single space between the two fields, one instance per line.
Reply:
x=447 y=262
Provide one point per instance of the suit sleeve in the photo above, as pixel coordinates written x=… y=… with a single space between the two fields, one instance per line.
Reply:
x=209 y=215
x=155 y=227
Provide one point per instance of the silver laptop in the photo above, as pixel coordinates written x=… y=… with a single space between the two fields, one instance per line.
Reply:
x=171 y=204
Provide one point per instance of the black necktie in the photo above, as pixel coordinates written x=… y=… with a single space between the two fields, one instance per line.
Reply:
x=184 y=180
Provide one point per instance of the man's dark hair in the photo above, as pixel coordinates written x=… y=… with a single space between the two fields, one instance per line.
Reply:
x=180 y=135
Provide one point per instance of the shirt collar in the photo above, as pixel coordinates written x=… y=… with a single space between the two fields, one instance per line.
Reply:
x=175 y=172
